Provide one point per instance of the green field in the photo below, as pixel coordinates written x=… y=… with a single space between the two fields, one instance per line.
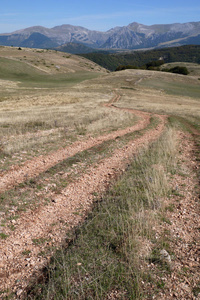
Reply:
x=30 y=76
x=173 y=88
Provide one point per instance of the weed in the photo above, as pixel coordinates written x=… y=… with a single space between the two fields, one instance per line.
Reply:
x=80 y=129
x=39 y=241
x=165 y=220
x=12 y=227
x=170 y=208
x=196 y=290
x=26 y=252
x=3 y=236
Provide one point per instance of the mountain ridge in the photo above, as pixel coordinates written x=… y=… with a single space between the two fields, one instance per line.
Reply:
x=132 y=36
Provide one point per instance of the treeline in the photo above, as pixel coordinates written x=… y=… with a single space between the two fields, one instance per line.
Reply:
x=188 y=53
x=152 y=65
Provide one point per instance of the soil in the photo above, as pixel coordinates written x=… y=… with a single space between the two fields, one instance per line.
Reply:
x=181 y=231
x=184 y=280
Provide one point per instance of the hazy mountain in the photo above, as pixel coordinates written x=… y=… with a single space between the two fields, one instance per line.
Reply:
x=38 y=40
x=133 y=36
x=75 y=48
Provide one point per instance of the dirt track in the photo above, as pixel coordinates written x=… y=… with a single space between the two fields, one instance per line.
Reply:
x=46 y=223
x=34 y=167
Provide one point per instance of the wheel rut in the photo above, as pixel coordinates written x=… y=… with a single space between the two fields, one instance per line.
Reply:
x=32 y=168
x=47 y=226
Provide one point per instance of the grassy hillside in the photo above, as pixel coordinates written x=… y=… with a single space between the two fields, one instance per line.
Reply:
x=32 y=70
x=40 y=66
x=51 y=102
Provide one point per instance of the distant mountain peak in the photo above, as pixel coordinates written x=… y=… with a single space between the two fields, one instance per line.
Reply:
x=132 y=36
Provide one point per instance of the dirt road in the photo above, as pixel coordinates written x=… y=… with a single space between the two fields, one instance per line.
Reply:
x=47 y=226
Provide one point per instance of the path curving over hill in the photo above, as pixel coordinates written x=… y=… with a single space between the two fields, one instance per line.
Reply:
x=32 y=168
x=46 y=223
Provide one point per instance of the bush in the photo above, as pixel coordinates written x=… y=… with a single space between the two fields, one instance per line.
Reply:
x=178 y=70
x=154 y=64
x=124 y=67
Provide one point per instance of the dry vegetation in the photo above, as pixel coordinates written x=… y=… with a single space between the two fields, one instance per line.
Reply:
x=51 y=101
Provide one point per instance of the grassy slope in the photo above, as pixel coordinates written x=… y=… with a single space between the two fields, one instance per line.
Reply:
x=173 y=88
x=45 y=68
x=104 y=258
x=29 y=76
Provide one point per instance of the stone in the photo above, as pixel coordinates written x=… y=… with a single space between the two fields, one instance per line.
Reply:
x=164 y=255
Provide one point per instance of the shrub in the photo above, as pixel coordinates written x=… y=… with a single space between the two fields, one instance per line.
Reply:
x=178 y=70
x=154 y=64
x=124 y=67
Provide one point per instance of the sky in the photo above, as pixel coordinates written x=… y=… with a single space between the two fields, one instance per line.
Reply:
x=101 y=15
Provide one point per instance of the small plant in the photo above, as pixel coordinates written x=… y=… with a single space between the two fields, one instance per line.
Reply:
x=3 y=236
x=39 y=241
x=26 y=252
x=80 y=129
x=196 y=290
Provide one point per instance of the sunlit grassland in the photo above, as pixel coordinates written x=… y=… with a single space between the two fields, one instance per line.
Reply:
x=159 y=92
x=109 y=254
x=174 y=88
x=28 y=76
x=43 y=109
x=38 y=120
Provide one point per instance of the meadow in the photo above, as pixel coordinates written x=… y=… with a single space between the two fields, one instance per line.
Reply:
x=96 y=167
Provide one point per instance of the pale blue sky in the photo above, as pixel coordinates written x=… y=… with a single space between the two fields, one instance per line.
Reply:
x=102 y=15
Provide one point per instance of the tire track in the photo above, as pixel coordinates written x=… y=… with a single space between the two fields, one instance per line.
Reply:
x=36 y=230
x=32 y=168
x=15 y=269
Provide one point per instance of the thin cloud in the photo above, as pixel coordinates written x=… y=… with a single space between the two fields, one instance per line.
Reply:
x=8 y=15
x=134 y=14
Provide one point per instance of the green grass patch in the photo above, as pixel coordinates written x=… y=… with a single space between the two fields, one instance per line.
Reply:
x=3 y=236
x=26 y=252
x=28 y=76
x=39 y=241
x=173 y=88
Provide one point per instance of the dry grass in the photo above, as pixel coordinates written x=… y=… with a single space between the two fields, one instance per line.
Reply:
x=28 y=116
x=38 y=117
x=156 y=99
x=21 y=130
x=49 y=61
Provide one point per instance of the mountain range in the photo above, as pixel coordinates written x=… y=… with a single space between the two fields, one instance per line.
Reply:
x=133 y=36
